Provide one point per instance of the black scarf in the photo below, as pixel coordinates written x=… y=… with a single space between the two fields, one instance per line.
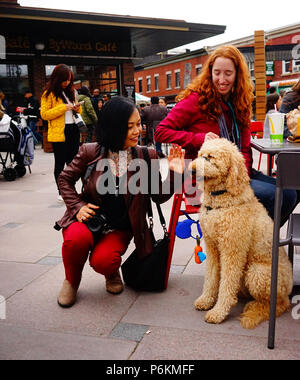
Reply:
x=235 y=136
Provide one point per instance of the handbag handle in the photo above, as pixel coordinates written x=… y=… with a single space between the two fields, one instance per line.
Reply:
x=150 y=211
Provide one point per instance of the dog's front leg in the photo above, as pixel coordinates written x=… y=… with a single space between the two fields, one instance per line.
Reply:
x=212 y=278
x=232 y=263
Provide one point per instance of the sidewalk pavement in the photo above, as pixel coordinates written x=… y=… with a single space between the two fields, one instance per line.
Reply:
x=132 y=325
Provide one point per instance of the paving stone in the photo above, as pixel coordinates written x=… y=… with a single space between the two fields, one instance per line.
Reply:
x=177 y=269
x=11 y=225
x=19 y=343
x=50 y=260
x=15 y=276
x=129 y=331
x=182 y=344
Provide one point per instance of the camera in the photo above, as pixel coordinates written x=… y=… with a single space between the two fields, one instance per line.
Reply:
x=78 y=120
x=97 y=223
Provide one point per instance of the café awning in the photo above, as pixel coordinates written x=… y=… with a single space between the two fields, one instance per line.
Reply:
x=147 y=35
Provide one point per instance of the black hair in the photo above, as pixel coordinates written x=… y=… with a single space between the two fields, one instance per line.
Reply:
x=154 y=99
x=112 y=129
x=61 y=73
x=272 y=90
x=84 y=91
x=271 y=101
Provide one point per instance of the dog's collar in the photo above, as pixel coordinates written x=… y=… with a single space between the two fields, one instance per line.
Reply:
x=219 y=192
x=215 y=194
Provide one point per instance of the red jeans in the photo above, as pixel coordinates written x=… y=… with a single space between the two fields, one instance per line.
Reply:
x=105 y=257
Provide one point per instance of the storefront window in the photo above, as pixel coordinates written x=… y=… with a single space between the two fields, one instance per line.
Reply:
x=13 y=82
x=102 y=77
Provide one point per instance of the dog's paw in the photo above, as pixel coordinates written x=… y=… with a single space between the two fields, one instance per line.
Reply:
x=204 y=303
x=215 y=316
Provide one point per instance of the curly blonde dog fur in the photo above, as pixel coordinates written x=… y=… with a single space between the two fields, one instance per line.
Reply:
x=238 y=236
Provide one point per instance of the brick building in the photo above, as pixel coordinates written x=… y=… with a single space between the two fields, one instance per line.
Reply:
x=165 y=75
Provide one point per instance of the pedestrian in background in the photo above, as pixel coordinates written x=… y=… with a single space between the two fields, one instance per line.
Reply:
x=100 y=105
x=57 y=105
x=3 y=102
x=290 y=101
x=32 y=111
x=106 y=97
x=88 y=114
x=95 y=98
x=162 y=102
x=151 y=116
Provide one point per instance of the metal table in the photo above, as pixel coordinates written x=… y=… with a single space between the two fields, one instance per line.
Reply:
x=265 y=146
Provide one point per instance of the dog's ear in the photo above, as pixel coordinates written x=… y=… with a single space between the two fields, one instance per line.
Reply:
x=237 y=176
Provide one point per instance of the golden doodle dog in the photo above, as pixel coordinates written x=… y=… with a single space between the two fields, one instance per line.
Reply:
x=238 y=236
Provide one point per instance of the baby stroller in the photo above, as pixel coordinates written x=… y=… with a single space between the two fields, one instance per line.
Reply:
x=12 y=161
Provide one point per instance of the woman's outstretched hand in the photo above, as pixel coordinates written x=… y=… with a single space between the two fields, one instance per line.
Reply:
x=176 y=159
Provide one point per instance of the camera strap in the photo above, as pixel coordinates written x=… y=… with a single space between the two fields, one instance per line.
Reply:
x=150 y=211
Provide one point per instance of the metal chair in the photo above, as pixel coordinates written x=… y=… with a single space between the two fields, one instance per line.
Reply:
x=176 y=212
x=288 y=177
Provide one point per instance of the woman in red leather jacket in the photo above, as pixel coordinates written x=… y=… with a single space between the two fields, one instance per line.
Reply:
x=217 y=103
x=111 y=188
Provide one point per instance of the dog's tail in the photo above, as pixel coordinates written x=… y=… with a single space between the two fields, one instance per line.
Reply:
x=256 y=312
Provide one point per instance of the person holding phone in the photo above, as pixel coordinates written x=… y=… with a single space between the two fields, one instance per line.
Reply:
x=57 y=105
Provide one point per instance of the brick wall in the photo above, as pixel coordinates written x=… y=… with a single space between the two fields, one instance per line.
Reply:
x=170 y=93
x=161 y=71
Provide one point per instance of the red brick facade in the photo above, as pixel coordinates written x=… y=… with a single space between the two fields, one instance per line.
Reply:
x=161 y=72
x=178 y=63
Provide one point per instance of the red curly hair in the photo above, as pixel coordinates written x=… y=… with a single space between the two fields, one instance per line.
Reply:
x=209 y=99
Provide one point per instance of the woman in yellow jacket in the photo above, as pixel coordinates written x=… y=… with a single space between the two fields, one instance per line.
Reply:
x=57 y=106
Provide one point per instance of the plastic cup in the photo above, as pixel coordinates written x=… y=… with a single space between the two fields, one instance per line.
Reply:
x=276 y=121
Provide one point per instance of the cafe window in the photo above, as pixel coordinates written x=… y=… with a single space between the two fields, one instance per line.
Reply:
x=93 y=76
x=14 y=81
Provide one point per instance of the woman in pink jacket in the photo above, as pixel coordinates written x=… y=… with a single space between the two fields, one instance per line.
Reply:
x=217 y=103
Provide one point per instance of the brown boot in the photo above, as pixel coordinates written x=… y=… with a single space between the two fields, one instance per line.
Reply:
x=114 y=283
x=67 y=295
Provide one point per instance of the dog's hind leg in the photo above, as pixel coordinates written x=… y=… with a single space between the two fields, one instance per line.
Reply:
x=256 y=312
x=258 y=282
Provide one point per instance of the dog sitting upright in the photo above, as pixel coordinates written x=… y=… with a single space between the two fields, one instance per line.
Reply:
x=238 y=234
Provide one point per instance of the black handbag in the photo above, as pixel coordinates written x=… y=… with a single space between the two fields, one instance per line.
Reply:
x=149 y=273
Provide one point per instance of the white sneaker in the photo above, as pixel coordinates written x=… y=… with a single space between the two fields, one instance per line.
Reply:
x=59 y=198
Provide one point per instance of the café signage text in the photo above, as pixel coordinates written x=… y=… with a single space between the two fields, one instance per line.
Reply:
x=19 y=43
